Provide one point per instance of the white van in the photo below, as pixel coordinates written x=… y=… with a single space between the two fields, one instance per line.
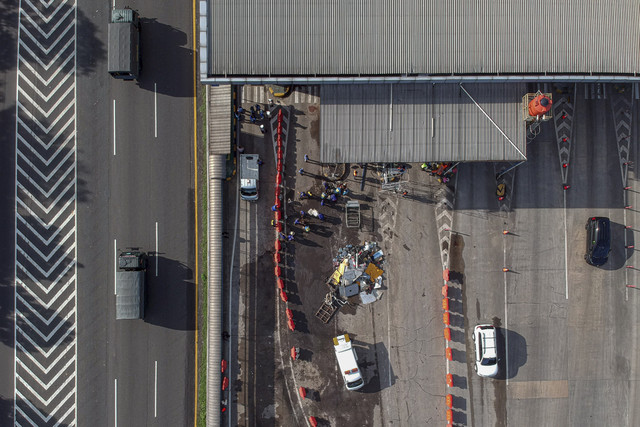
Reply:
x=249 y=176
x=348 y=362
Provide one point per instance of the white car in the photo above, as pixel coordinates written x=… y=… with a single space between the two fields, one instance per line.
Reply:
x=484 y=338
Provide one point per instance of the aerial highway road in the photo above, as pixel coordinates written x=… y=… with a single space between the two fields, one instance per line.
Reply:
x=92 y=165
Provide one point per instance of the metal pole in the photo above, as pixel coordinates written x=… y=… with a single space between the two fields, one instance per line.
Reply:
x=501 y=174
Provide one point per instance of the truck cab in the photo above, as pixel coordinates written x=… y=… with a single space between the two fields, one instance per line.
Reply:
x=348 y=362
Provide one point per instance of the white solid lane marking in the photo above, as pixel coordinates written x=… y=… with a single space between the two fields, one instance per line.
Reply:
x=156 y=249
x=506 y=315
x=155 y=108
x=114 y=127
x=566 y=250
x=115 y=264
x=115 y=410
x=155 y=393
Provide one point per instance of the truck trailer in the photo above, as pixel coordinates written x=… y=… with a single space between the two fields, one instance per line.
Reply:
x=130 y=284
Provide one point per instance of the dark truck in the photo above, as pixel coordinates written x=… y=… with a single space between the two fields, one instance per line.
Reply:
x=130 y=287
x=124 y=44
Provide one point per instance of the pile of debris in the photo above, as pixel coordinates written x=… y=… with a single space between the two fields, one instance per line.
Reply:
x=358 y=273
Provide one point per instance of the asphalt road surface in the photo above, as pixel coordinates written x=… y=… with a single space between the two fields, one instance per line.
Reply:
x=568 y=349
x=135 y=163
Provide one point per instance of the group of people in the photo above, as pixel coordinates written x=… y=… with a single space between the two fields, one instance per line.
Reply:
x=442 y=170
x=256 y=113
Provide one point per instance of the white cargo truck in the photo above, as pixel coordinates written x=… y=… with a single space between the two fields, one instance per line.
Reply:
x=249 y=176
x=348 y=362
x=130 y=288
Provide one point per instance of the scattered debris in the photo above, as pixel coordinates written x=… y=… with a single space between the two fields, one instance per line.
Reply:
x=358 y=273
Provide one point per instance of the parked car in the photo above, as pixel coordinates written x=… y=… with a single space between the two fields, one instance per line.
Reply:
x=484 y=338
x=598 y=240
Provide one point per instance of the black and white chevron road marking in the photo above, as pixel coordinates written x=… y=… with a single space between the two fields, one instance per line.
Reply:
x=45 y=282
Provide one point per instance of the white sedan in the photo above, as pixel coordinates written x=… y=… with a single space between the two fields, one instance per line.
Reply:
x=484 y=338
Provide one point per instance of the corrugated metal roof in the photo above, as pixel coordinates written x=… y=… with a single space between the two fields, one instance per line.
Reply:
x=396 y=37
x=219 y=119
x=422 y=122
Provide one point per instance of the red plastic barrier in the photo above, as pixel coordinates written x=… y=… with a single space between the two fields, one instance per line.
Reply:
x=445 y=291
x=449 y=416
x=447 y=334
x=278 y=228
x=449 y=353
x=277 y=271
x=279 y=167
x=278 y=203
x=291 y=325
x=450 y=380
x=313 y=422
x=446 y=318
x=279 y=176
x=225 y=383
x=283 y=296
x=449 y=400
x=280 y=283
x=445 y=274
x=278 y=216
x=277 y=258
x=277 y=245
x=223 y=365
x=294 y=353
x=303 y=392
x=289 y=314
x=445 y=304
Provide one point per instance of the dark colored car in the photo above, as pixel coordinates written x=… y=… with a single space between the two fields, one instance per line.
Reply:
x=598 y=240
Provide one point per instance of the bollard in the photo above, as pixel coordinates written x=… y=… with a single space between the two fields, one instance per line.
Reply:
x=447 y=334
x=566 y=187
x=505 y=270
x=302 y=391
x=449 y=400
x=283 y=296
x=505 y=232
x=445 y=291
x=446 y=318
x=449 y=353
x=223 y=365
x=291 y=325
x=445 y=304
x=450 y=380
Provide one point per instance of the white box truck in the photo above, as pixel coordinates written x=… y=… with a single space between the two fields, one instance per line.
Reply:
x=249 y=176
x=348 y=362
